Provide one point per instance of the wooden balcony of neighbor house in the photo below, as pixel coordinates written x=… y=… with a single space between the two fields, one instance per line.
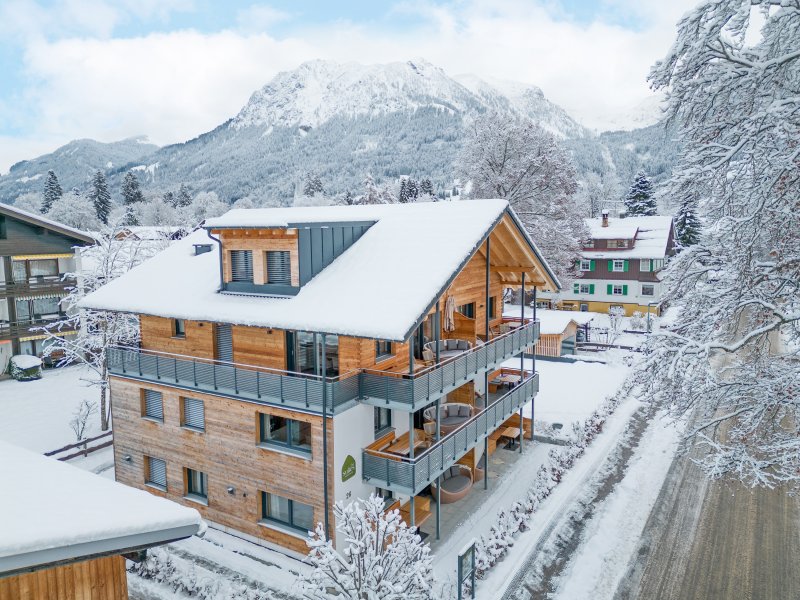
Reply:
x=37 y=286
x=386 y=463
x=29 y=327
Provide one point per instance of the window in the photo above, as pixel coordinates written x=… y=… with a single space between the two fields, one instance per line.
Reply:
x=644 y=265
x=588 y=244
x=193 y=414
x=19 y=270
x=179 y=328
x=383 y=349
x=383 y=418
x=618 y=266
x=44 y=267
x=617 y=244
x=584 y=307
x=586 y=265
x=587 y=288
x=658 y=264
x=468 y=310
x=648 y=289
x=242 y=266
x=279 y=270
x=492 y=307
x=156 y=472
x=153 y=405
x=3 y=231
x=196 y=484
x=287 y=512
x=288 y=433
x=617 y=290
x=44 y=308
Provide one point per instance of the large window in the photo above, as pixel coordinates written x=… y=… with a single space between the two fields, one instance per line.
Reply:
x=468 y=310
x=196 y=485
x=283 y=432
x=155 y=472
x=44 y=268
x=193 y=414
x=648 y=289
x=153 y=405
x=383 y=418
x=242 y=266
x=279 y=270
x=492 y=307
x=383 y=349
x=291 y=513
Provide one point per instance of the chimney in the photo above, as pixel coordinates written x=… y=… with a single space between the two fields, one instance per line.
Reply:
x=605 y=218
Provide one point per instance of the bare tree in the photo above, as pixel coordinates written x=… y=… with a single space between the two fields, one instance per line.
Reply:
x=731 y=357
x=616 y=321
x=80 y=418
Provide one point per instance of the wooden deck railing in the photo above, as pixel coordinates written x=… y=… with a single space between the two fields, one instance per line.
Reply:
x=83 y=445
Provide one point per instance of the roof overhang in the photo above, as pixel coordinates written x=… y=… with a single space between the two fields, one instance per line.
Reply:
x=31 y=219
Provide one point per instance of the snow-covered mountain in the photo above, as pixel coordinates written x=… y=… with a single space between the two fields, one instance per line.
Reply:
x=338 y=121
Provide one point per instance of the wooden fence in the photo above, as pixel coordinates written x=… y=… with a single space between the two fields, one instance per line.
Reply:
x=83 y=446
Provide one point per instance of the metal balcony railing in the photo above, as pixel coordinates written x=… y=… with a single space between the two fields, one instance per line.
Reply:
x=411 y=476
x=302 y=391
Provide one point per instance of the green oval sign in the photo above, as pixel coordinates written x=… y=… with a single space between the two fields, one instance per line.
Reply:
x=348 y=468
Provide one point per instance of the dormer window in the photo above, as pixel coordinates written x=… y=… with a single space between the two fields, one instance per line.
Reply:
x=279 y=269
x=617 y=243
x=242 y=266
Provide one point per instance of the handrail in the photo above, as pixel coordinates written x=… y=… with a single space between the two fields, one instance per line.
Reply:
x=420 y=457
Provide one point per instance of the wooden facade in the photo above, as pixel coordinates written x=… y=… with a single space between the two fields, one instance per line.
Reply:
x=96 y=579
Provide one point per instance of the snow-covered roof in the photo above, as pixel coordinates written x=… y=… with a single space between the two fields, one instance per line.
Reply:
x=51 y=511
x=652 y=236
x=35 y=219
x=552 y=322
x=377 y=288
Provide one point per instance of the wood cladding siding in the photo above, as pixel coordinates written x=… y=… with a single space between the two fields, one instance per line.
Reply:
x=157 y=333
x=259 y=241
x=227 y=452
x=97 y=579
x=634 y=273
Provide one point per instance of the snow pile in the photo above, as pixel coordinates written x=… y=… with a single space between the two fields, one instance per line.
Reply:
x=490 y=550
x=652 y=237
x=26 y=361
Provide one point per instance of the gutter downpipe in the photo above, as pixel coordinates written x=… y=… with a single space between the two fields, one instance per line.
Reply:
x=219 y=245
x=325 y=435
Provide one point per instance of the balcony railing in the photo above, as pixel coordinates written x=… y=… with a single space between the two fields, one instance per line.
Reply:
x=36 y=286
x=26 y=328
x=411 y=476
x=409 y=392
x=302 y=391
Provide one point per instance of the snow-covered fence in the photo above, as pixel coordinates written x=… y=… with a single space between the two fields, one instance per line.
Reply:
x=85 y=450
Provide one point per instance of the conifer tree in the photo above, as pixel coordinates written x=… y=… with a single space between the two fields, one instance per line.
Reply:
x=313 y=186
x=169 y=199
x=130 y=218
x=640 y=201
x=100 y=197
x=687 y=223
x=403 y=194
x=131 y=193
x=52 y=191
x=426 y=187
x=348 y=198
x=184 y=198
x=413 y=189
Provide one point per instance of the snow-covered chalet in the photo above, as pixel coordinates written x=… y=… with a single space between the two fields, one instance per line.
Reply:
x=291 y=358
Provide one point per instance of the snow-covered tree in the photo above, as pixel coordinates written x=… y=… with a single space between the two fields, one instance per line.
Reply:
x=100 y=197
x=131 y=192
x=75 y=210
x=183 y=197
x=639 y=201
x=597 y=192
x=52 y=191
x=426 y=187
x=131 y=216
x=204 y=206
x=402 y=195
x=313 y=186
x=384 y=558
x=372 y=195
x=687 y=224
x=30 y=201
x=517 y=160
x=97 y=330
x=731 y=359
x=616 y=321
x=169 y=198
x=348 y=198
x=245 y=202
x=158 y=212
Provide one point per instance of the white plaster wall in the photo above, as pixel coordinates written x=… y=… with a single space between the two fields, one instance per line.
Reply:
x=5 y=355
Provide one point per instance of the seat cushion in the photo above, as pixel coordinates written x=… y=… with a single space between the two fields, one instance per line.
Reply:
x=454 y=420
x=464 y=411
x=456 y=484
x=462 y=345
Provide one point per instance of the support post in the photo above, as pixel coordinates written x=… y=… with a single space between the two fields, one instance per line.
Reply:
x=438 y=332
x=533 y=371
x=413 y=511
x=522 y=316
x=521 y=429
x=411 y=354
x=486 y=463
x=325 y=436
x=486 y=312
x=438 y=506
x=411 y=435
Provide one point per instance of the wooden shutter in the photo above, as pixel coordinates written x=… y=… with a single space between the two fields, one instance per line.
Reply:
x=194 y=414
x=279 y=268
x=610 y=289
x=624 y=290
x=591 y=288
x=242 y=265
x=576 y=288
x=224 y=342
x=625 y=266
x=153 y=405
x=591 y=265
x=158 y=472
x=610 y=266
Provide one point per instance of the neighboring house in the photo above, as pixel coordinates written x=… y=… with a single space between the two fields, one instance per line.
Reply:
x=35 y=253
x=558 y=331
x=151 y=233
x=619 y=266
x=335 y=331
x=65 y=530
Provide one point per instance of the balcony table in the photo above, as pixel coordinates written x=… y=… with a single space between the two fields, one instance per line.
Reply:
x=401 y=446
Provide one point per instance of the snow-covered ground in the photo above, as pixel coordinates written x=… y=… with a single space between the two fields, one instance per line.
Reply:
x=36 y=414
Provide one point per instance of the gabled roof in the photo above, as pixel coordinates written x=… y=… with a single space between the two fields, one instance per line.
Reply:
x=378 y=288
x=53 y=512
x=652 y=236
x=40 y=221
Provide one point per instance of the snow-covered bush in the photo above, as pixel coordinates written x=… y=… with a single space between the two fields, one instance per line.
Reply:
x=616 y=318
x=24 y=367
x=384 y=558
x=638 y=322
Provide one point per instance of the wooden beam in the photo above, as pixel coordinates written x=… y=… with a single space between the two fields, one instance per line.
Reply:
x=514 y=269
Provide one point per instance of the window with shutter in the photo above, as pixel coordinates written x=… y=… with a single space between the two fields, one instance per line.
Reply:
x=156 y=472
x=194 y=416
x=591 y=288
x=279 y=270
x=242 y=266
x=153 y=405
x=224 y=342
x=576 y=288
x=624 y=290
x=609 y=289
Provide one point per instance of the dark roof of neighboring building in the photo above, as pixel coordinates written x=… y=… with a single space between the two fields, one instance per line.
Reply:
x=40 y=221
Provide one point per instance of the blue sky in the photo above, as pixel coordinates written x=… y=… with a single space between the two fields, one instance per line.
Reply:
x=171 y=69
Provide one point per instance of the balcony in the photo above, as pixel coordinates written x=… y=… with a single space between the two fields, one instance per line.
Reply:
x=27 y=328
x=304 y=392
x=411 y=476
x=37 y=286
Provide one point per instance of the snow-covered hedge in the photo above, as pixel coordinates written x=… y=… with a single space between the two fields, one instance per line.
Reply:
x=492 y=548
x=184 y=578
x=24 y=367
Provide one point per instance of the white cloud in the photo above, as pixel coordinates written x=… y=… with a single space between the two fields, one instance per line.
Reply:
x=173 y=86
x=259 y=17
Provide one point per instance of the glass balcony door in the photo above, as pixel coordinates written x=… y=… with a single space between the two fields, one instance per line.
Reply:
x=304 y=353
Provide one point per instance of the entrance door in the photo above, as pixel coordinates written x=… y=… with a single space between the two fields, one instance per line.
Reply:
x=224 y=342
